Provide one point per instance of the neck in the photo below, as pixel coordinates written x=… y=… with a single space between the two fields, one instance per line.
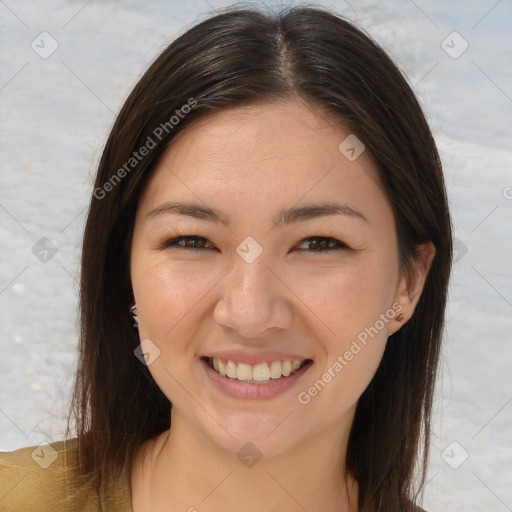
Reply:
x=183 y=470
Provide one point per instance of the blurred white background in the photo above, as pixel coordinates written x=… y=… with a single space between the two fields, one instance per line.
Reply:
x=59 y=94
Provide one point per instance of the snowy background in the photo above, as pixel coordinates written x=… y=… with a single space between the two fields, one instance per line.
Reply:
x=56 y=113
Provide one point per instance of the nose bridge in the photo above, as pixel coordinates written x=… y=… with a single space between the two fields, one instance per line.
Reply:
x=252 y=299
x=252 y=281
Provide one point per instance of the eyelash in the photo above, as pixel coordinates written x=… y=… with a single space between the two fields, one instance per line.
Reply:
x=174 y=243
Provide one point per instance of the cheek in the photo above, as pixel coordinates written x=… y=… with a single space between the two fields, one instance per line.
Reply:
x=167 y=292
x=352 y=304
x=346 y=299
x=168 y=296
x=336 y=388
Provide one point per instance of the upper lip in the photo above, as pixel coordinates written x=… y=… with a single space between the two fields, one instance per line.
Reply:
x=253 y=357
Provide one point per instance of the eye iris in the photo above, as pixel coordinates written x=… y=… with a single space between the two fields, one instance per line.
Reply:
x=319 y=243
x=195 y=242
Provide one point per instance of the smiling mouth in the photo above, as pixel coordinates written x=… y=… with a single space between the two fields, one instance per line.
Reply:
x=262 y=373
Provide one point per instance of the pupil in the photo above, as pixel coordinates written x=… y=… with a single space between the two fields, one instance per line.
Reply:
x=319 y=244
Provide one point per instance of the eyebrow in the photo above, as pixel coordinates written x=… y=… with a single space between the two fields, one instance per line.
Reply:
x=285 y=217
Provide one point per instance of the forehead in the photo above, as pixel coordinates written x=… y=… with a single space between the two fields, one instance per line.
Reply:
x=255 y=155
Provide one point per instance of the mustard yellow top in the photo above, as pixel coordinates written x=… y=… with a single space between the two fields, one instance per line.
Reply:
x=43 y=479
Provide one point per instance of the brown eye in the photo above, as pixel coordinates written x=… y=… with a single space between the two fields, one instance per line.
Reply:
x=189 y=242
x=322 y=244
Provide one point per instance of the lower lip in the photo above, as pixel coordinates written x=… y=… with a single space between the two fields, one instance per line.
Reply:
x=248 y=391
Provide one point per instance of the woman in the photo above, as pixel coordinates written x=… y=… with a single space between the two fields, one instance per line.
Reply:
x=264 y=278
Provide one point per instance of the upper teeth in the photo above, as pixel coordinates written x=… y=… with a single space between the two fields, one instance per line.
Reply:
x=259 y=372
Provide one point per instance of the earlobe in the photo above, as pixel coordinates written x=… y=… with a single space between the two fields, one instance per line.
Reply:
x=411 y=285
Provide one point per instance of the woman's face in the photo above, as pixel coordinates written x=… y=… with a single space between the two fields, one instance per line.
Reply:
x=263 y=245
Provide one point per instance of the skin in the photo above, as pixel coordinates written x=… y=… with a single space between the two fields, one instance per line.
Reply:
x=249 y=163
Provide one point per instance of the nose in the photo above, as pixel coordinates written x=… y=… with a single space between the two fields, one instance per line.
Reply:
x=254 y=301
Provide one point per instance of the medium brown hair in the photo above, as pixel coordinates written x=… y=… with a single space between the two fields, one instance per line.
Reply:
x=245 y=56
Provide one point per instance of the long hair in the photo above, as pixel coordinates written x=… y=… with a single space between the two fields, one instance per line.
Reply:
x=237 y=57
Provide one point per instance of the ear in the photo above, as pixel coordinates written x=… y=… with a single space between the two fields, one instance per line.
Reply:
x=411 y=285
